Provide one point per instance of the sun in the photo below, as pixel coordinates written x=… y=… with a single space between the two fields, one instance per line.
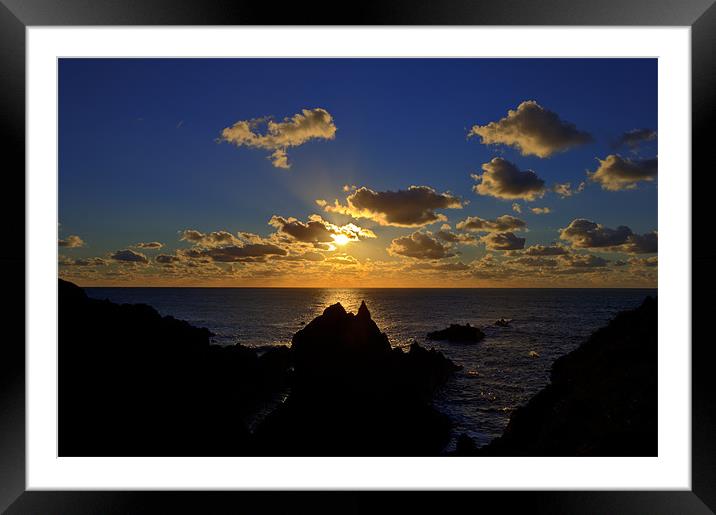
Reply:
x=340 y=239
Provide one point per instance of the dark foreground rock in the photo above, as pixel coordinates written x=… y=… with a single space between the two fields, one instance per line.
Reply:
x=354 y=395
x=601 y=401
x=458 y=333
x=134 y=383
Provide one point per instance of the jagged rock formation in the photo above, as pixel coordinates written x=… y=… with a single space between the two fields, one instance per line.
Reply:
x=355 y=395
x=458 y=333
x=601 y=401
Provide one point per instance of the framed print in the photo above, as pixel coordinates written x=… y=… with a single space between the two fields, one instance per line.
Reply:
x=412 y=249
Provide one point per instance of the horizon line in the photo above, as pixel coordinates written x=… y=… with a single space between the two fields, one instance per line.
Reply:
x=383 y=287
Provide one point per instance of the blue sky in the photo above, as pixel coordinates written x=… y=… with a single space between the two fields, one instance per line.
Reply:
x=139 y=158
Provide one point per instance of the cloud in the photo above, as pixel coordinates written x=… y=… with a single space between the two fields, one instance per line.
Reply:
x=545 y=250
x=458 y=266
x=502 y=223
x=583 y=261
x=342 y=260
x=166 y=259
x=617 y=173
x=71 y=242
x=502 y=179
x=279 y=159
x=277 y=137
x=318 y=230
x=211 y=239
x=446 y=235
x=93 y=261
x=541 y=210
x=420 y=245
x=565 y=189
x=224 y=247
x=486 y=263
x=533 y=130
x=294 y=240
x=533 y=261
x=414 y=207
x=129 y=256
x=585 y=234
x=149 y=245
x=634 y=137
x=305 y=256
x=503 y=241
x=516 y=207
x=648 y=262
x=248 y=252
x=642 y=243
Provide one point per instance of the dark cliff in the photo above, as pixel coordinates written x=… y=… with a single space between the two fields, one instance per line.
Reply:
x=601 y=401
x=134 y=383
x=354 y=395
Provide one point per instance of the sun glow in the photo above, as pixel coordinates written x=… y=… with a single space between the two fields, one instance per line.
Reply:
x=340 y=239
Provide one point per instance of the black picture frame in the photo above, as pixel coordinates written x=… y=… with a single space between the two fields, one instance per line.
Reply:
x=16 y=15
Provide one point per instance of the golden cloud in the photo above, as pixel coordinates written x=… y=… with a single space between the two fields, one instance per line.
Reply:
x=420 y=245
x=318 y=230
x=503 y=241
x=277 y=137
x=502 y=179
x=616 y=173
x=533 y=130
x=414 y=207
x=71 y=242
x=586 y=234
x=502 y=223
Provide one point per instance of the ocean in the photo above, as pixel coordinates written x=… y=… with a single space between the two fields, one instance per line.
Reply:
x=503 y=371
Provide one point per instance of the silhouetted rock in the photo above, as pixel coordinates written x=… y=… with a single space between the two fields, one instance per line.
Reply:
x=601 y=401
x=465 y=446
x=426 y=369
x=134 y=383
x=355 y=395
x=458 y=333
x=503 y=322
x=337 y=339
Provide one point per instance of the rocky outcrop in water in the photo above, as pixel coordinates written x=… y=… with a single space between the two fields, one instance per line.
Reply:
x=458 y=333
x=134 y=383
x=601 y=401
x=353 y=394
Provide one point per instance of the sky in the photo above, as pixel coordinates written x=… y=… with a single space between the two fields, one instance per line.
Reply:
x=358 y=172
